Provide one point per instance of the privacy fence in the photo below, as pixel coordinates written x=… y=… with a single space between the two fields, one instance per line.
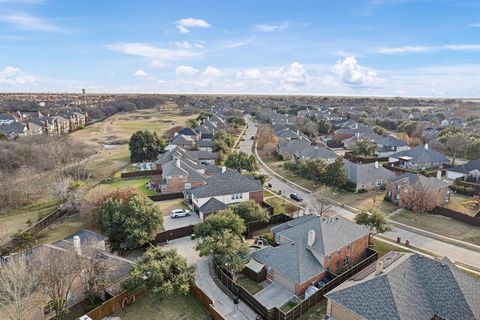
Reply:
x=459 y=216
x=143 y=173
x=296 y=312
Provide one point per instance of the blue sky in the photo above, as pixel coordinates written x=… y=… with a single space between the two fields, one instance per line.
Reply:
x=376 y=47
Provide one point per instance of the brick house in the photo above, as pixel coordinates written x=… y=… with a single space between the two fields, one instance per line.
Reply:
x=228 y=187
x=397 y=185
x=309 y=248
x=179 y=175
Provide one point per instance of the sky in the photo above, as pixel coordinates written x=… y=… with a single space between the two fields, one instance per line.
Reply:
x=428 y=48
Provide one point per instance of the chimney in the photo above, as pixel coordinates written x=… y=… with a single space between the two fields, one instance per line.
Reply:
x=298 y=132
x=439 y=175
x=426 y=146
x=77 y=247
x=376 y=164
x=177 y=162
x=224 y=169
x=357 y=134
x=311 y=238
x=379 y=267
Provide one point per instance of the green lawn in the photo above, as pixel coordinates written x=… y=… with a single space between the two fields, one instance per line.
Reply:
x=62 y=229
x=178 y=307
x=288 y=306
x=281 y=206
x=248 y=284
x=16 y=219
x=440 y=225
x=384 y=247
x=137 y=183
x=277 y=166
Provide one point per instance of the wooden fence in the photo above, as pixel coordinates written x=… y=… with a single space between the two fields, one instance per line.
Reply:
x=403 y=170
x=357 y=159
x=258 y=225
x=300 y=309
x=173 y=234
x=466 y=188
x=275 y=313
x=166 y=196
x=119 y=302
x=459 y=216
x=144 y=173
x=206 y=302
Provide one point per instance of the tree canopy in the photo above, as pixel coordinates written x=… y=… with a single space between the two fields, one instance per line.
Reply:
x=374 y=219
x=364 y=147
x=222 y=220
x=241 y=161
x=145 y=146
x=161 y=272
x=250 y=211
x=128 y=218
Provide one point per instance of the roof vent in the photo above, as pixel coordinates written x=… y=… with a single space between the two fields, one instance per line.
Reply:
x=379 y=267
x=311 y=237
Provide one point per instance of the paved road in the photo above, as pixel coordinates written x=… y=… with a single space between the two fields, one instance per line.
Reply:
x=221 y=302
x=455 y=253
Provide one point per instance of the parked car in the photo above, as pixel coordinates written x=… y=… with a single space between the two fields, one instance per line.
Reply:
x=179 y=213
x=296 y=197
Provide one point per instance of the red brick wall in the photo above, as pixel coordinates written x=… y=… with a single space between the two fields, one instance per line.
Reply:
x=175 y=184
x=356 y=254
x=300 y=288
x=256 y=196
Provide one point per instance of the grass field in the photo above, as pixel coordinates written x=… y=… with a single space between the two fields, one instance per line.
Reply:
x=462 y=204
x=277 y=166
x=16 y=219
x=178 y=307
x=110 y=137
x=63 y=228
x=248 y=284
x=136 y=183
x=281 y=206
x=440 y=225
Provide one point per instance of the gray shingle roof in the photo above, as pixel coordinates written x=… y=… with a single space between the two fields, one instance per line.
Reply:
x=421 y=155
x=414 y=178
x=296 y=260
x=467 y=167
x=225 y=183
x=366 y=173
x=212 y=205
x=316 y=152
x=292 y=146
x=413 y=287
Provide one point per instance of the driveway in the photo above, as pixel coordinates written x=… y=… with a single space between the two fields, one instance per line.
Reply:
x=222 y=303
x=170 y=223
x=274 y=295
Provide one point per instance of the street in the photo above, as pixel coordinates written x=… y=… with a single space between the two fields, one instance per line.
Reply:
x=441 y=248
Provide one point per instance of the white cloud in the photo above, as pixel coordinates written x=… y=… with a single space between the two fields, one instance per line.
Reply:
x=140 y=73
x=183 y=44
x=270 y=27
x=406 y=49
x=15 y=76
x=211 y=72
x=183 y=25
x=186 y=70
x=293 y=77
x=249 y=74
x=462 y=47
x=475 y=25
x=199 y=45
x=350 y=72
x=158 y=56
x=29 y=22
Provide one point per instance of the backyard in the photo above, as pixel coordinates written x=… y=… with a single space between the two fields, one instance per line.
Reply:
x=178 y=307
x=136 y=183
x=463 y=204
x=440 y=225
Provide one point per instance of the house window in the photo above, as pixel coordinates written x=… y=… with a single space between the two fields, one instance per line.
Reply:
x=346 y=261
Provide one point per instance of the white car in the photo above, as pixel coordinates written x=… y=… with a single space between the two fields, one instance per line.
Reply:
x=179 y=213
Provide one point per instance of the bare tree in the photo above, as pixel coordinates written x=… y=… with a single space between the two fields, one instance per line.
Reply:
x=94 y=270
x=58 y=269
x=419 y=198
x=266 y=139
x=321 y=205
x=71 y=193
x=18 y=282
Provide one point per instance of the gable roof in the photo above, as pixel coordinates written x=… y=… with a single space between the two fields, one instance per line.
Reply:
x=291 y=146
x=225 y=183
x=411 y=287
x=421 y=154
x=466 y=167
x=187 y=132
x=296 y=260
x=364 y=173
x=316 y=152
x=413 y=178
x=212 y=205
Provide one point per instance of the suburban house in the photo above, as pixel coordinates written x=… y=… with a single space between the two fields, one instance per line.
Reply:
x=366 y=176
x=390 y=145
x=287 y=149
x=116 y=267
x=396 y=185
x=226 y=187
x=309 y=248
x=316 y=152
x=469 y=171
x=14 y=129
x=406 y=286
x=418 y=158
x=6 y=118
x=183 y=141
